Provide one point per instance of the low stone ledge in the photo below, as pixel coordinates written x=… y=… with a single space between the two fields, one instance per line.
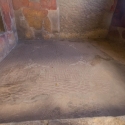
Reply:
x=81 y=121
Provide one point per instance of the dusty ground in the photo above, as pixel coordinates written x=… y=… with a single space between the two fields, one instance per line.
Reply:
x=60 y=79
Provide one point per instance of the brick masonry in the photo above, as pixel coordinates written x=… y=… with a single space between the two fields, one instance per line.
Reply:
x=8 y=38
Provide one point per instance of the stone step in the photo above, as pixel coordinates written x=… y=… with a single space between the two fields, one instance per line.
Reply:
x=79 y=121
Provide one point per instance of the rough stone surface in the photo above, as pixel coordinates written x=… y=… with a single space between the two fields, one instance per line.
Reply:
x=89 y=121
x=60 y=79
x=82 y=121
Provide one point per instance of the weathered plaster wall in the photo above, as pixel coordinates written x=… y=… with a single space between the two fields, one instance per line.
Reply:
x=8 y=38
x=117 y=27
x=85 y=18
x=38 y=19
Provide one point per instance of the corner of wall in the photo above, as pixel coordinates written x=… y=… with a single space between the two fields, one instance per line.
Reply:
x=9 y=38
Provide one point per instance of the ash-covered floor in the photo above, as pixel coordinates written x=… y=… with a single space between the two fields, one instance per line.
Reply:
x=60 y=79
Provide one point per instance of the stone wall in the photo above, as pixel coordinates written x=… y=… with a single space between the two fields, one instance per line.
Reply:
x=8 y=38
x=117 y=27
x=37 y=19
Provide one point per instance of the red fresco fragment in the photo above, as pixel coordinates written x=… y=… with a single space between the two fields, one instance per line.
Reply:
x=53 y=5
x=11 y=9
x=5 y=6
x=8 y=21
x=6 y=12
x=35 y=5
x=25 y=3
x=49 y=4
x=16 y=4
x=43 y=4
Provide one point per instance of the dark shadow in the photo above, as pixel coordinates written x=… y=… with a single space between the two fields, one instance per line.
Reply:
x=57 y=113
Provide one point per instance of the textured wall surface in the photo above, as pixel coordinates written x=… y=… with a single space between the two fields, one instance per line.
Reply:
x=117 y=28
x=90 y=18
x=8 y=38
x=38 y=19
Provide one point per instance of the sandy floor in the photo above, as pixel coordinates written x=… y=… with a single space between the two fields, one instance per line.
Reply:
x=60 y=79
